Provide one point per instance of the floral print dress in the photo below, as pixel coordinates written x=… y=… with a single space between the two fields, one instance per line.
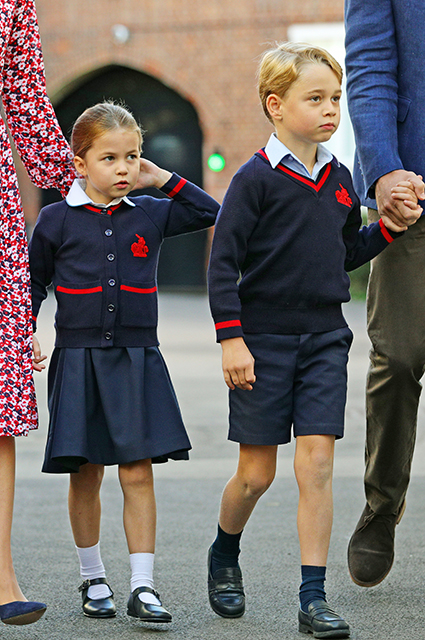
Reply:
x=48 y=161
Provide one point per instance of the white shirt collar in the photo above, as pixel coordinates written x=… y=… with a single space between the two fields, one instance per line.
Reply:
x=77 y=197
x=276 y=151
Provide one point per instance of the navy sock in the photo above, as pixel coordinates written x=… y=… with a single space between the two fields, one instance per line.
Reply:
x=312 y=585
x=225 y=550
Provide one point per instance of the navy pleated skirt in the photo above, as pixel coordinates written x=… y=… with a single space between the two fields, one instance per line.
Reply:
x=111 y=406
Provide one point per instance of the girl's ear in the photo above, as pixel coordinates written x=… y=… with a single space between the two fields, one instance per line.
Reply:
x=273 y=104
x=80 y=165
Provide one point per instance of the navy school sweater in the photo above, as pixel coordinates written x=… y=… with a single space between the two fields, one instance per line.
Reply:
x=282 y=247
x=103 y=263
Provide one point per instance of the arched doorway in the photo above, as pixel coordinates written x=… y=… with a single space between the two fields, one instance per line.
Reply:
x=173 y=140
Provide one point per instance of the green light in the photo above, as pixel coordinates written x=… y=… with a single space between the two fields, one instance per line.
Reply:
x=216 y=162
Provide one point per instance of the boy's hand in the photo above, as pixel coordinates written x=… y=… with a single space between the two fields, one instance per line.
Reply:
x=151 y=175
x=38 y=358
x=238 y=364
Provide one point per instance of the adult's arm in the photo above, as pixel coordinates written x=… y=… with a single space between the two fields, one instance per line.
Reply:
x=30 y=116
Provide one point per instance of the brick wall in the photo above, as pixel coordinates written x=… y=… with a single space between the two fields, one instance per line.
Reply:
x=206 y=51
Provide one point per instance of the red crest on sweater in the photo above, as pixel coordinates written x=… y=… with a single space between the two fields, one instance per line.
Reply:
x=343 y=196
x=140 y=248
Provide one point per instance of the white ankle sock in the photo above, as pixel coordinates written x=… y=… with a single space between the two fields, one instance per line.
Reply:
x=142 y=575
x=91 y=566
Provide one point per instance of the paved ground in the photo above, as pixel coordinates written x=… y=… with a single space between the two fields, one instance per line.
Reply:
x=188 y=496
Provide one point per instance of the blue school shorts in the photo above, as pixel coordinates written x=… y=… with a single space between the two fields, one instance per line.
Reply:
x=301 y=383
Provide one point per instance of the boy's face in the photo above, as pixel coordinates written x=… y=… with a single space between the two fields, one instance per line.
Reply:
x=309 y=112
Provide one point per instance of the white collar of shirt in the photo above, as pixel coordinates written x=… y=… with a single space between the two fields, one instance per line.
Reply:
x=278 y=152
x=77 y=197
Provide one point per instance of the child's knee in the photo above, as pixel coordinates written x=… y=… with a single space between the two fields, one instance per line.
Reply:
x=136 y=475
x=257 y=482
x=315 y=464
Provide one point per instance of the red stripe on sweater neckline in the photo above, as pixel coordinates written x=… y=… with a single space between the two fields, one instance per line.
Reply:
x=308 y=181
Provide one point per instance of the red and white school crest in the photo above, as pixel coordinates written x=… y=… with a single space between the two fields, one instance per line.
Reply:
x=343 y=196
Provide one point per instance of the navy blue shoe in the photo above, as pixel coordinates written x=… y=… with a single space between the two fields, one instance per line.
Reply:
x=20 y=612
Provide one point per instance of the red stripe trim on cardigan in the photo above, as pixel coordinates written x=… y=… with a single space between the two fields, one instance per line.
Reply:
x=66 y=290
x=124 y=287
x=101 y=210
x=228 y=323
x=303 y=179
x=177 y=188
x=34 y=318
x=388 y=237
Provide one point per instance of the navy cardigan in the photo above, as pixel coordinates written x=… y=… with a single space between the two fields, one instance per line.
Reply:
x=281 y=249
x=103 y=263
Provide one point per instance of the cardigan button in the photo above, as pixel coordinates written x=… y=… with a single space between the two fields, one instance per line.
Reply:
x=111 y=307
x=108 y=335
x=110 y=257
x=108 y=232
x=111 y=282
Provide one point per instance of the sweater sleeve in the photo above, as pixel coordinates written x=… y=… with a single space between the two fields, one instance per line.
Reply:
x=236 y=221
x=30 y=116
x=364 y=243
x=44 y=243
x=371 y=61
x=191 y=208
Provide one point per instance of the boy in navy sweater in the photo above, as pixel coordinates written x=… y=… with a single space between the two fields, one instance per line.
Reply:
x=287 y=233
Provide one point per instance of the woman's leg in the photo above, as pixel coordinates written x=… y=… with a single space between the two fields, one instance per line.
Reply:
x=9 y=588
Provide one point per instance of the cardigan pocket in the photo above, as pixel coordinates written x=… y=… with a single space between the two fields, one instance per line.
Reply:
x=138 y=304
x=79 y=304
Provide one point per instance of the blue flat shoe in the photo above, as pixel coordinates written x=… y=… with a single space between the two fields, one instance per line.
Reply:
x=21 y=612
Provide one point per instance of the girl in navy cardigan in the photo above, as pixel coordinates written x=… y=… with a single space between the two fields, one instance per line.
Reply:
x=111 y=400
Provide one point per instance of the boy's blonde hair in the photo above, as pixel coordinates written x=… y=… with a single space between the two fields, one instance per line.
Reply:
x=99 y=119
x=281 y=66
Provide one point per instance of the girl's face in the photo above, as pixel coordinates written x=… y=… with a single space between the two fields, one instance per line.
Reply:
x=111 y=166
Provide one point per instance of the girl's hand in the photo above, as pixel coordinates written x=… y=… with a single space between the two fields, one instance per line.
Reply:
x=38 y=358
x=238 y=364
x=151 y=175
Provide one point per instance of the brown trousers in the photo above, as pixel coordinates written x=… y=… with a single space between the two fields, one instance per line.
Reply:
x=396 y=327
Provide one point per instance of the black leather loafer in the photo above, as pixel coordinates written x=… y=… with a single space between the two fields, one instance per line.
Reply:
x=225 y=591
x=21 y=612
x=103 y=608
x=144 y=611
x=322 y=622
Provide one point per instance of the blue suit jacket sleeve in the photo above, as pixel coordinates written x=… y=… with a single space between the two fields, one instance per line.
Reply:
x=372 y=89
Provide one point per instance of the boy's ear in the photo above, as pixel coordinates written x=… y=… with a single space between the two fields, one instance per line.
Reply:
x=273 y=104
x=80 y=165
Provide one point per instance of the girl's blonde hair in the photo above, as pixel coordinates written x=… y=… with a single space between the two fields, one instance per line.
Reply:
x=281 y=66
x=97 y=120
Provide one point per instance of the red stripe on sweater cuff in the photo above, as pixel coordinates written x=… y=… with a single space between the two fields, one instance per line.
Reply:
x=229 y=323
x=177 y=188
x=388 y=237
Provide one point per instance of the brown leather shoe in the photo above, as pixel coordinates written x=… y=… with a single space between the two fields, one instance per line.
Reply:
x=371 y=548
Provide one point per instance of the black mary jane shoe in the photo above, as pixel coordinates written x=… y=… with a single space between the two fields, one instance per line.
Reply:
x=103 y=608
x=145 y=611
x=21 y=612
x=225 y=591
x=322 y=621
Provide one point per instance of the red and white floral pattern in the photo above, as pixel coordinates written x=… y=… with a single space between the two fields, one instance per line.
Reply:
x=48 y=160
